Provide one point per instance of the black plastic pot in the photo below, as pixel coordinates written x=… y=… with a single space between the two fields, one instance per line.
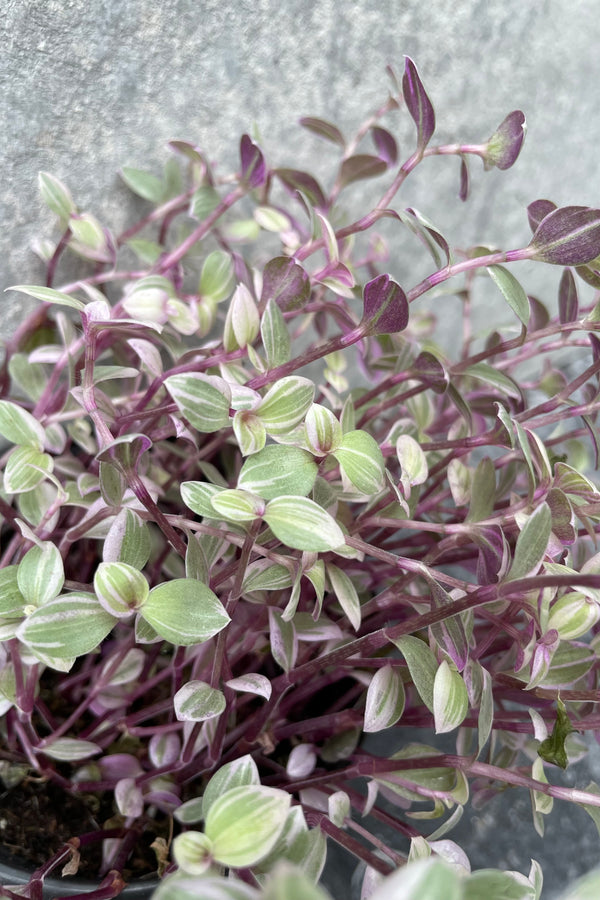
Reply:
x=11 y=874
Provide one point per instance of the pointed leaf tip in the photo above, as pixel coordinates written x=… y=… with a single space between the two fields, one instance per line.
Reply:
x=567 y=236
x=385 y=306
x=504 y=146
x=254 y=170
x=418 y=103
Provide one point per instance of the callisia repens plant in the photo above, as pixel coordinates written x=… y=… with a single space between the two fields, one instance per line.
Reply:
x=254 y=516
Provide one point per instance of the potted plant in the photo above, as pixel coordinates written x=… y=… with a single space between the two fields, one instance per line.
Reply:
x=252 y=513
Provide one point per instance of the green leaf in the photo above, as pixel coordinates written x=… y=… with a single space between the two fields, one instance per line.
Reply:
x=285 y=404
x=422 y=666
x=120 y=588
x=239 y=772
x=492 y=884
x=512 y=291
x=41 y=573
x=128 y=540
x=25 y=468
x=236 y=506
x=203 y=202
x=197 y=495
x=147 y=252
x=251 y=683
x=184 y=612
x=483 y=491
x=56 y=195
x=361 y=461
x=71 y=749
x=178 y=887
x=427 y=879
x=69 y=626
x=573 y=614
x=413 y=463
x=323 y=431
x=204 y=400
x=197 y=701
x=267 y=578
x=217 y=277
x=532 y=543
x=48 y=295
x=244 y=823
x=497 y=379
x=450 y=699
x=289 y=883
x=385 y=699
x=278 y=470
x=301 y=524
x=12 y=600
x=283 y=638
x=144 y=184
x=250 y=433
x=346 y=594
x=275 y=336
x=485 y=718
x=19 y=427
x=192 y=852
x=553 y=750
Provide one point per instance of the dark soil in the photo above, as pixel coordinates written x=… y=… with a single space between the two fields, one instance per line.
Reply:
x=37 y=818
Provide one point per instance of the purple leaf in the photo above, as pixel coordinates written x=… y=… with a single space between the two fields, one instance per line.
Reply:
x=538 y=314
x=429 y=370
x=324 y=129
x=361 y=166
x=569 y=236
x=286 y=283
x=418 y=103
x=385 y=144
x=505 y=144
x=538 y=210
x=254 y=171
x=463 y=192
x=385 y=307
x=568 y=305
x=294 y=180
x=493 y=554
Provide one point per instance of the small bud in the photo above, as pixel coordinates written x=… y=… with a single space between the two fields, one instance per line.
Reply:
x=504 y=146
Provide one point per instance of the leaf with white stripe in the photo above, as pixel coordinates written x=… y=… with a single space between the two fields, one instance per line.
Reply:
x=385 y=699
x=244 y=823
x=197 y=701
x=285 y=404
x=252 y=683
x=67 y=627
x=25 y=468
x=237 y=773
x=346 y=593
x=41 y=574
x=19 y=427
x=204 y=400
x=184 y=611
x=361 y=461
x=120 y=588
x=278 y=470
x=302 y=524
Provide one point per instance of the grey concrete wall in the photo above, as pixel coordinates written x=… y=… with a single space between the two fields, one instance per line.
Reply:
x=91 y=85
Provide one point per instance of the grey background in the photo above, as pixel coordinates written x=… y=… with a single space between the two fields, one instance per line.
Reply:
x=92 y=85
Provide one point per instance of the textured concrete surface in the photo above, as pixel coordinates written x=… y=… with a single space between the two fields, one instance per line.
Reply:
x=91 y=85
